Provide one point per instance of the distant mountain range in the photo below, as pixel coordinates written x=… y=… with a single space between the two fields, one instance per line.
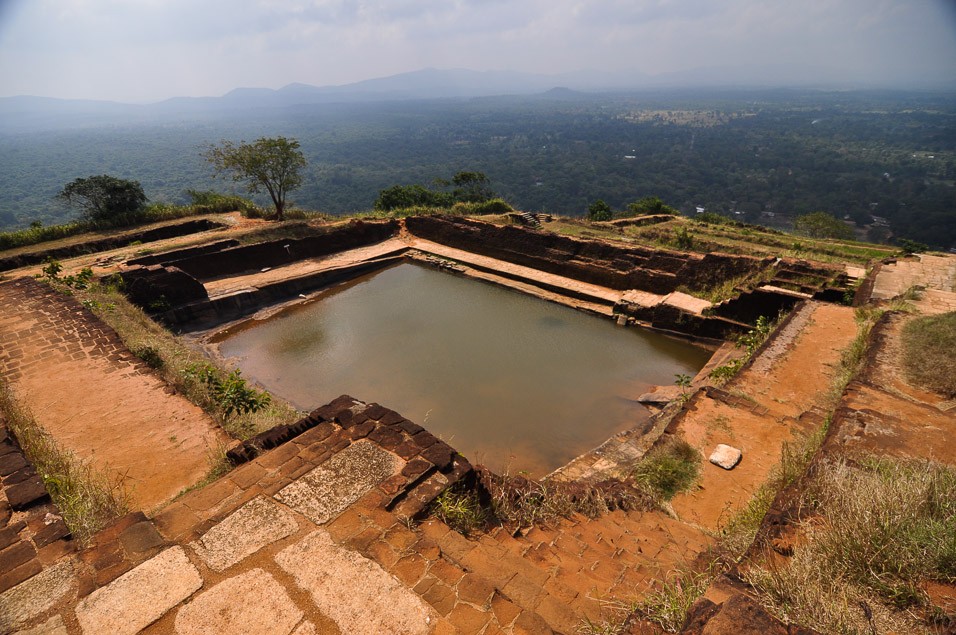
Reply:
x=25 y=113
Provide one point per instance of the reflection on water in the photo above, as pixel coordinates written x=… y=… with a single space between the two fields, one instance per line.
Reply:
x=508 y=380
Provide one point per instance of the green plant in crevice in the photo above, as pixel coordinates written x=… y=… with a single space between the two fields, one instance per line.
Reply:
x=51 y=270
x=460 y=508
x=683 y=381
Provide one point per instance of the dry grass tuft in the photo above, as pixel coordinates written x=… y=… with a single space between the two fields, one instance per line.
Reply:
x=88 y=500
x=929 y=353
x=880 y=529
x=523 y=502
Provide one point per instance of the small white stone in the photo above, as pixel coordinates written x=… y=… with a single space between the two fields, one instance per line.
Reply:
x=726 y=456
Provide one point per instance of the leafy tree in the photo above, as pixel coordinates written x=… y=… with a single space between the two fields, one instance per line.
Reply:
x=404 y=196
x=647 y=205
x=472 y=187
x=271 y=164
x=822 y=225
x=599 y=211
x=104 y=198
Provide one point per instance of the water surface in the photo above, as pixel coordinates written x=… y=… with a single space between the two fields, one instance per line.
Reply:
x=508 y=380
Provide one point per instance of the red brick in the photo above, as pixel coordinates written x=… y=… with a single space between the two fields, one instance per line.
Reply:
x=474 y=589
x=505 y=611
x=523 y=592
x=557 y=614
x=393 y=484
x=347 y=524
x=175 y=521
x=11 y=534
x=275 y=458
x=441 y=597
x=382 y=553
x=140 y=538
x=52 y=552
x=407 y=450
x=416 y=467
x=468 y=620
x=400 y=537
x=16 y=554
x=446 y=572
x=210 y=496
x=363 y=539
x=529 y=623
x=315 y=435
x=12 y=577
x=427 y=548
x=361 y=431
x=247 y=475
x=410 y=569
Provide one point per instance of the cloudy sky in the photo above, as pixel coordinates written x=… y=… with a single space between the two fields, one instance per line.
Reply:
x=146 y=50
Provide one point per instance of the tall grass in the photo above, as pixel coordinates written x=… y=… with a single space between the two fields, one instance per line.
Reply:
x=881 y=529
x=87 y=499
x=929 y=352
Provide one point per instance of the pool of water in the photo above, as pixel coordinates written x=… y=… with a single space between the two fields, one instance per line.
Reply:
x=508 y=380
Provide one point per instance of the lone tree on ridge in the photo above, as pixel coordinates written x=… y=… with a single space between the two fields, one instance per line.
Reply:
x=104 y=199
x=271 y=164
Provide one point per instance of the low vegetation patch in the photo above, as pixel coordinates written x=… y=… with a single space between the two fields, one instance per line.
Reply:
x=669 y=468
x=522 y=502
x=88 y=500
x=929 y=353
x=242 y=410
x=460 y=508
x=878 y=529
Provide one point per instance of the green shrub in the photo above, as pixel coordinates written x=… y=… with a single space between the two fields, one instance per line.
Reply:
x=683 y=239
x=669 y=468
x=929 y=352
x=493 y=206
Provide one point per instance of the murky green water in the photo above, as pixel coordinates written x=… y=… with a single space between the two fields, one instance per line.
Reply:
x=508 y=380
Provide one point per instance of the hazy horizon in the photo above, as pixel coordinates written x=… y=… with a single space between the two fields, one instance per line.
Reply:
x=148 y=51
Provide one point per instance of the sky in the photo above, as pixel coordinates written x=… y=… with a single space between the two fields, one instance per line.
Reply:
x=149 y=50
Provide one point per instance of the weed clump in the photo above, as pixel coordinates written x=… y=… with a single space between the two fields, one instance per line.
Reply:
x=929 y=353
x=669 y=468
x=460 y=508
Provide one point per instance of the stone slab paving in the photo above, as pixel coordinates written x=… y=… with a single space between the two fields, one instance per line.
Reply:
x=140 y=597
x=357 y=593
x=247 y=530
x=327 y=490
x=220 y=609
x=24 y=602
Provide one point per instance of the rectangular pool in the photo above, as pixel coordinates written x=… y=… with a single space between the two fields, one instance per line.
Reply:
x=510 y=381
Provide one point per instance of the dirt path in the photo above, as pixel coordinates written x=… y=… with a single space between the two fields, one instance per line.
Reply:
x=97 y=399
x=779 y=397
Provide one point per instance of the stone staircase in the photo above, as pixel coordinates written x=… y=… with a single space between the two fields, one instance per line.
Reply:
x=566 y=575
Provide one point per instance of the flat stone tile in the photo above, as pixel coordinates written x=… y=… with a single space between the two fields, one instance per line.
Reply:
x=53 y=626
x=372 y=601
x=258 y=523
x=249 y=604
x=305 y=628
x=326 y=491
x=32 y=597
x=141 y=596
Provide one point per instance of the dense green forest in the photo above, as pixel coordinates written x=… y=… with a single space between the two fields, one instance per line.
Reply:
x=760 y=156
